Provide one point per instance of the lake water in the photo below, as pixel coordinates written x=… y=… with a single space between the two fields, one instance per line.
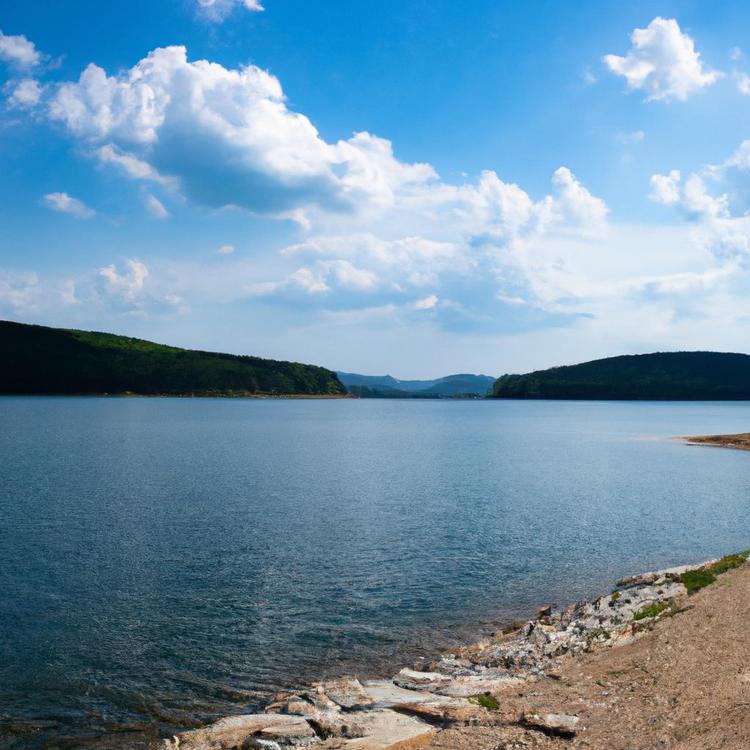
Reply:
x=167 y=560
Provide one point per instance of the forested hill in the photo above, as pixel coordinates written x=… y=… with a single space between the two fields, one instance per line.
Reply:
x=663 y=375
x=40 y=360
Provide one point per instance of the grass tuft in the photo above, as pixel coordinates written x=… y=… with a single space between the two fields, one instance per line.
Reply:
x=486 y=701
x=652 y=610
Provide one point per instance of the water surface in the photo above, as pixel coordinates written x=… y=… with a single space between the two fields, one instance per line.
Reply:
x=164 y=561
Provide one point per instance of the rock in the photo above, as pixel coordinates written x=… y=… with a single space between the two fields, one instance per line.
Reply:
x=463 y=687
x=411 y=679
x=306 y=703
x=332 y=724
x=443 y=713
x=384 y=694
x=346 y=692
x=474 y=682
x=544 y=612
x=387 y=730
x=236 y=732
x=563 y=725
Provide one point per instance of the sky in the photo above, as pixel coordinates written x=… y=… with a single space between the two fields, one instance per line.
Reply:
x=413 y=187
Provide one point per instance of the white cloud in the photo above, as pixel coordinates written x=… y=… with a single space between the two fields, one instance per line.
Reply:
x=219 y=10
x=735 y=53
x=66 y=204
x=743 y=83
x=692 y=196
x=225 y=250
x=24 y=94
x=18 y=51
x=427 y=303
x=698 y=203
x=575 y=203
x=665 y=188
x=130 y=165
x=156 y=207
x=380 y=234
x=128 y=284
x=226 y=138
x=19 y=291
x=663 y=62
x=721 y=219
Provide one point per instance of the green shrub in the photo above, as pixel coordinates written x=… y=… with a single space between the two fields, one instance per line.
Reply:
x=699 y=578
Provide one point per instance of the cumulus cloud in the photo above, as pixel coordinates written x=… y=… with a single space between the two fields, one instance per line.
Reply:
x=226 y=138
x=663 y=62
x=66 y=204
x=18 y=51
x=127 y=284
x=575 y=203
x=24 y=94
x=666 y=188
x=478 y=268
x=716 y=200
x=131 y=290
x=156 y=207
x=379 y=234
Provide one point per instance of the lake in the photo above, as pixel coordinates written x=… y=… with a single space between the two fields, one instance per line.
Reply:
x=164 y=561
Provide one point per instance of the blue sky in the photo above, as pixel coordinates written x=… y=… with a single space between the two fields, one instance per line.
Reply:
x=409 y=187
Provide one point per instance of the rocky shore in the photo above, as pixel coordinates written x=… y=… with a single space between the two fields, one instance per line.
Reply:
x=523 y=687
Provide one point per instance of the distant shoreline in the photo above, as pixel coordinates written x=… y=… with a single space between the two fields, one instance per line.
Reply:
x=127 y=394
x=739 y=441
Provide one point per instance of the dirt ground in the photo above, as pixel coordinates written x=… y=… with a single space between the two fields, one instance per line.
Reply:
x=685 y=684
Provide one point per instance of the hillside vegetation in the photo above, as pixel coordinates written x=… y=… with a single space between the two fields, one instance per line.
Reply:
x=663 y=375
x=38 y=360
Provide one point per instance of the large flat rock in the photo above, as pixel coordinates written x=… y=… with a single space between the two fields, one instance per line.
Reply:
x=385 y=694
x=387 y=730
x=232 y=732
x=454 y=687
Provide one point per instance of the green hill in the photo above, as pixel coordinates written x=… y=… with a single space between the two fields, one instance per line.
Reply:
x=663 y=375
x=37 y=360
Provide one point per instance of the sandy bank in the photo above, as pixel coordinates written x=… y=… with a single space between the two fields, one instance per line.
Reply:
x=740 y=441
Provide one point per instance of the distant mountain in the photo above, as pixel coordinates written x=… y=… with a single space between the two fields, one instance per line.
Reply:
x=386 y=386
x=37 y=359
x=663 y=375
